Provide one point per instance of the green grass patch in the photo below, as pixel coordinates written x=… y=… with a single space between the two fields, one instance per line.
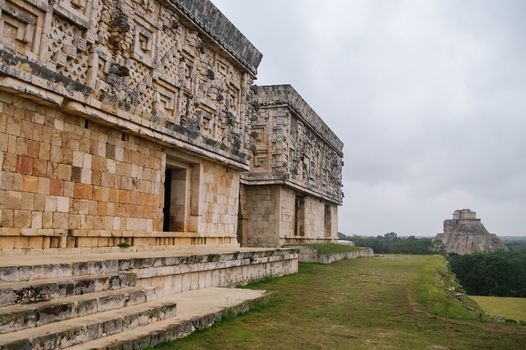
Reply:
x=503 y=307
x=358 y=304
x=440 y=293
x=330 y=248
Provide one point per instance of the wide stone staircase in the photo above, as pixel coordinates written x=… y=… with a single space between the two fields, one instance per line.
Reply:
x=122 y=302
x=62 y=311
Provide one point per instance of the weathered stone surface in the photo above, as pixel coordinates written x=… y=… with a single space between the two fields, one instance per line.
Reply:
x=292 y=192
x=18 y=317
x=207 y=16
x=293 y=145
x=63 y=334
x=122 y=124
x=196 y=310
x=98 y=99
x=465 y=234
x=175 y=67
x=28 y=292
x=78 y=307
x=311 y=254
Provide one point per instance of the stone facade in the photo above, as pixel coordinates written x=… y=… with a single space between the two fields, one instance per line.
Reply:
x=292 y=192
x=465 y=234
x=132 y=122
x=111 y=111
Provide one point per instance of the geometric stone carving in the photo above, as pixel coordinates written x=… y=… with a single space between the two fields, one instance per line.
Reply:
x=164 y=67
x=145 y=42
x=206 y=113
x=77 y=11
x=233 y=99
x=65 y=37
x=21 y=25
x=166 y=102
x=298 y=143
x=260 y=162
x=99 y=65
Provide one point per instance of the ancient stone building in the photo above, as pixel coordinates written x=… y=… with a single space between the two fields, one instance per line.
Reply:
x=465 y=234
x=294 y=187
x=124 y=129
x=121 y=121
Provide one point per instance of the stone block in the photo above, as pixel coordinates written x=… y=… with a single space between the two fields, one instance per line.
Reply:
x=31 y=184
x=27 y=202
x=51 y=204
x=63 y=204
x=13 y=200
x=24 y=165
x=44 y=185
x=22 y=219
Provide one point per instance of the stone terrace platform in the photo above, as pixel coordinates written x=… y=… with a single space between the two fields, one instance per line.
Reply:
x=126 y=300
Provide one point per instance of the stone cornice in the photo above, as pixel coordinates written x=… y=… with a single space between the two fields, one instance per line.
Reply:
x=214 y=23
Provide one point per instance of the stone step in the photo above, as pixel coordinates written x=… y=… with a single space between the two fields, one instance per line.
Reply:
x=29 y=268
x=63 y=334
x=17 y=317
x=37 y=268
x=195 y=310
x=28 y=292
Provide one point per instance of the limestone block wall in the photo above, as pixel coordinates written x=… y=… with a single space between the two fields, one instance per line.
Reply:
x=270 y=217
x=61 y=173
x=95 y=96
x=286 y=211
x=314 y=217
x=260 y=212
x=66 y=182
x=220 y=201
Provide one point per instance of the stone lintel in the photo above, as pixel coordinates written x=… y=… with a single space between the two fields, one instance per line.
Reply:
x=207 y=17
x=276 y=95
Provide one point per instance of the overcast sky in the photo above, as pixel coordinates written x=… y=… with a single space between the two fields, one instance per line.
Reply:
x=429 y=98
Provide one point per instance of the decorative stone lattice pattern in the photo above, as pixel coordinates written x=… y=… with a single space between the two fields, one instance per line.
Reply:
x=293 y=145
x=142 y=57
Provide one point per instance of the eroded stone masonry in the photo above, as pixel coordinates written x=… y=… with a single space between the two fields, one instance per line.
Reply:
x=292 y=191
x=126 y=130
x=465 y=234
x=135 y=121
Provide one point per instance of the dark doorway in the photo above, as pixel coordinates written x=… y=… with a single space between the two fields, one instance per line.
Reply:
x=167 y=199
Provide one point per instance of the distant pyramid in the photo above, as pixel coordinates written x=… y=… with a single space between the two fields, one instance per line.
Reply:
x=465 y=234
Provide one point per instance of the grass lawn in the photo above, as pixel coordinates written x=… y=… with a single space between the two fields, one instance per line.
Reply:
x=331 y=248
x=367 y=303
x=512 y=308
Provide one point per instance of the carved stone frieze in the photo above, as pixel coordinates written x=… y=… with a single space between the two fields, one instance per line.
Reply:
x=154 y=60
x=293 y=145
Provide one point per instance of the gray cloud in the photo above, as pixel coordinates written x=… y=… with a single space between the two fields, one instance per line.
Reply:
x=429 y=98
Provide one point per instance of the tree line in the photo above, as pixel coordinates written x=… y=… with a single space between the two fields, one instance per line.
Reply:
x=500 y=274
x=391 y=243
